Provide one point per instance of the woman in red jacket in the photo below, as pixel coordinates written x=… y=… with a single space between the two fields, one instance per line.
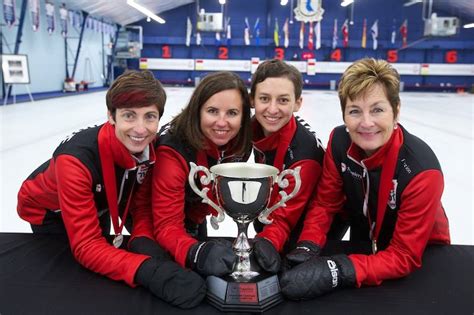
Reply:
x=213 y=128
x=101 y=174
x=389 y=183
x=284 y=141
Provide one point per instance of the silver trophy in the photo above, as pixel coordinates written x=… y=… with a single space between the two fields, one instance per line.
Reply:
x=243 y=191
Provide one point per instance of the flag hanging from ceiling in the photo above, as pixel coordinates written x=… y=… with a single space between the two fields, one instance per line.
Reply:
x=334 y=35
x=247 y=32
x=286 y=31
x=189 y=30
x=404 y=33
x=9 y=12
x=276 y=35
x=256 y=32
x=363 y=43
x=198 y=38
x=311 y=36
x=345 y=33
x=301 y=42
x=374 y=30
x=393 y=36
x=228 y=34
x=34 y=14
x=49 y=17
x=63 y=16
x=317 y=30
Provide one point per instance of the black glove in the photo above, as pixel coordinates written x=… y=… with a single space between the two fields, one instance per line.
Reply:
x=214 y=257
x=171 y=283
x=317 y=276
x=304 y=251
x=144 y=245
x=266 y=255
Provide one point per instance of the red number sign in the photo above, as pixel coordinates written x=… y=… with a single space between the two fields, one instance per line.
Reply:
x=451 y=56
x=223 y=53
x=392 y=55
x=336 y=55
x=279 y=53
x=166 y=51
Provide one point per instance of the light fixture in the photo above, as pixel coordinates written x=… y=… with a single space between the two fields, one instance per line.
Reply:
x=470 y=25
x=345 y=3
x=284 y=2
x=412 y=2
x=222 y=2
x=145 y=11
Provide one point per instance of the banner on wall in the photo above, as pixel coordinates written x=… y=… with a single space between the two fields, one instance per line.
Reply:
x=49 y=17
x=301 y=42
x=404 y=33
x=276 y=35
x=256 y=32
x=286 y=35
x=309 y=10
x=247 y=32
x=198 y=38
x=9 y=12
x=228 y=33
x=334 y=35
x=34 y=14
x=311 y=36
x=189 y=30
x=363 y=42
x=317 y=30
x=63 y=16
x=393 y=36
x=374 y=30
x=345 y=33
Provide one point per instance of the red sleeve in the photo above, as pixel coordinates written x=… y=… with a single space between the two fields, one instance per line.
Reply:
x=328 y=201
x=420 y=202
x=170 y=176
x=285 y=218
x=79 y=213
x=140 y=210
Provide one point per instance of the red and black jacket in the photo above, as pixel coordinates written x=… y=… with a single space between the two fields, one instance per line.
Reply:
x=301 y=148
x=71 y=184
x=413 y=216
x=175 y=204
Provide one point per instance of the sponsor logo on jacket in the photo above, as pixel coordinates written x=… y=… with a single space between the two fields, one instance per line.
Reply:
x=345 y=168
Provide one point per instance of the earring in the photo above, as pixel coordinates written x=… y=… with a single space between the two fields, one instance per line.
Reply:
x=347 y=129
x=395 y=127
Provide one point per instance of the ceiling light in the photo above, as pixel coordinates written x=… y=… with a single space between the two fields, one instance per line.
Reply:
x=345 y=3
x=470 y=25
x=412 y=2
x=145 y=11
x=284 y=2
x=222 y=1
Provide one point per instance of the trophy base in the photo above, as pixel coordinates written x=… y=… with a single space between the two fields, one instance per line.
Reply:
x=257 y=295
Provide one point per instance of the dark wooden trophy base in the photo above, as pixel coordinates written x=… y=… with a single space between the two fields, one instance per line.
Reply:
x=257 y=295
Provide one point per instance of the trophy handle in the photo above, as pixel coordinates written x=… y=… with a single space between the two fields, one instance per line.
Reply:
x=282 y=183
x=205 y=180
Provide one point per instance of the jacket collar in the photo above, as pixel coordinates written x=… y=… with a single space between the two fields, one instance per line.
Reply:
x=271 y=142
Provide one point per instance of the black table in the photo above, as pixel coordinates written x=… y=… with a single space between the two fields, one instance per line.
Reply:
x=38 y=275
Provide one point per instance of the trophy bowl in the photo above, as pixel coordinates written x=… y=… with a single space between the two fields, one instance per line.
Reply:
x=243 y=192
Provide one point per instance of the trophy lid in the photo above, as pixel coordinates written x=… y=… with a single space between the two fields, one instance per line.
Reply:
x=244 y=170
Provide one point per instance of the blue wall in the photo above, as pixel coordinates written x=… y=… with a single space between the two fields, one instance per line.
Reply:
x=431 y=50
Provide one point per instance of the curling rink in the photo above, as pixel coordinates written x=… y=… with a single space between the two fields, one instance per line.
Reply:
x=29 y=133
